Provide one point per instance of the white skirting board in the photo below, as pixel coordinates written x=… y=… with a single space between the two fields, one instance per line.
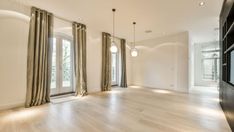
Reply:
x=12 y=105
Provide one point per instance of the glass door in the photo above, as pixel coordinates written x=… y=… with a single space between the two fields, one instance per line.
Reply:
x=62 y=66
x=114 y=68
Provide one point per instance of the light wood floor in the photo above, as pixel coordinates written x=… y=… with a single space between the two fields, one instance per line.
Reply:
x=129 y=110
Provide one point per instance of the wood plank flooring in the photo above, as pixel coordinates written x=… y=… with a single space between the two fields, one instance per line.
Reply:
x=133 y=109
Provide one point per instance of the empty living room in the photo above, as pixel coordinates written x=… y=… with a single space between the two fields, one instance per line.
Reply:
x=116 y=66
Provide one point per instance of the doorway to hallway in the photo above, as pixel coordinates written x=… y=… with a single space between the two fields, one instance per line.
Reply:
x=206 y=64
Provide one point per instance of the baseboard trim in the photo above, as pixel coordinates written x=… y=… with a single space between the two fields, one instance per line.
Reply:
x=11 y=106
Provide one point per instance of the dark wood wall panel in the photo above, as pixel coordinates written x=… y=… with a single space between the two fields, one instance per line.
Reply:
x=226 y=91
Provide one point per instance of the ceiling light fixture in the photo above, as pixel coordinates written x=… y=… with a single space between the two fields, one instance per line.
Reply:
x=202 y=3
x=113 y=47
x=134 y=51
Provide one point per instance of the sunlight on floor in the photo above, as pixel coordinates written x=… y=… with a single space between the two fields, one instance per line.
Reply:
x=115 y=92
x=212 y=90
x=135 y=86
x=161 y=91
x=22 y=114
x=210 y=112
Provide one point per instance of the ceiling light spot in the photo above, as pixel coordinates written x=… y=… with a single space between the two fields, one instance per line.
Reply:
x=202 y=3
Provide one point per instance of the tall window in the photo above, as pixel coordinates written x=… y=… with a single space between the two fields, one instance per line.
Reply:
x=62 y=65
x=114 y=68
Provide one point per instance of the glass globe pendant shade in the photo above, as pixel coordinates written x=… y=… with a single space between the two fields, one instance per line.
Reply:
x=113 y=47
x=134 y=52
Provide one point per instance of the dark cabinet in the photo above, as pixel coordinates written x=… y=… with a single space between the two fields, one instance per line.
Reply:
x=226 y=91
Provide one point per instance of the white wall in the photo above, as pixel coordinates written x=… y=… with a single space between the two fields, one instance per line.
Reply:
x=94 y=59
x=14 y=28
x=13 y=56
x=162 y=63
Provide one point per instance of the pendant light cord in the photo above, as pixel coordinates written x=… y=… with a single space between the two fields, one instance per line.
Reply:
x=113 y=35
x=134 y=33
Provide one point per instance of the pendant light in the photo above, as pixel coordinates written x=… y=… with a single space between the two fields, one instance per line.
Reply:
x=113 y=47
x=134 y=51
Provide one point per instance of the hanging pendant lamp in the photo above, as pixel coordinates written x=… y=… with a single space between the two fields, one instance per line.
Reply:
x=134 y=51
x=113 y=47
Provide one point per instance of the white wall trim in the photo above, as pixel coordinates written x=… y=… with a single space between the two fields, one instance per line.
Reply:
x=12 y=105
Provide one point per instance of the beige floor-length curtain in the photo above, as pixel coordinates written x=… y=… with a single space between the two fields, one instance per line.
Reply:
x=106 y=62
x=39 y=57
x=123 y=80
x=79 y=34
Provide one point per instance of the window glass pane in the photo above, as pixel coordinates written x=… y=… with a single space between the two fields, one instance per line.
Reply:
x=114 y=67
x=53 y=74
x=66 y=63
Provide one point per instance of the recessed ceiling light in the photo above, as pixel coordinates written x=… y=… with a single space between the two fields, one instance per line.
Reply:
x=202 y=3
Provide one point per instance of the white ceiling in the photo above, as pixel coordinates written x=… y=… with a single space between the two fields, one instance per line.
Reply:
x=161 y=16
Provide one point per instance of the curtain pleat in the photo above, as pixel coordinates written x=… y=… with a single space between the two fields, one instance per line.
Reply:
x=106 y=62
x=39 y=57
x=79 y=34
x=123 y=82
